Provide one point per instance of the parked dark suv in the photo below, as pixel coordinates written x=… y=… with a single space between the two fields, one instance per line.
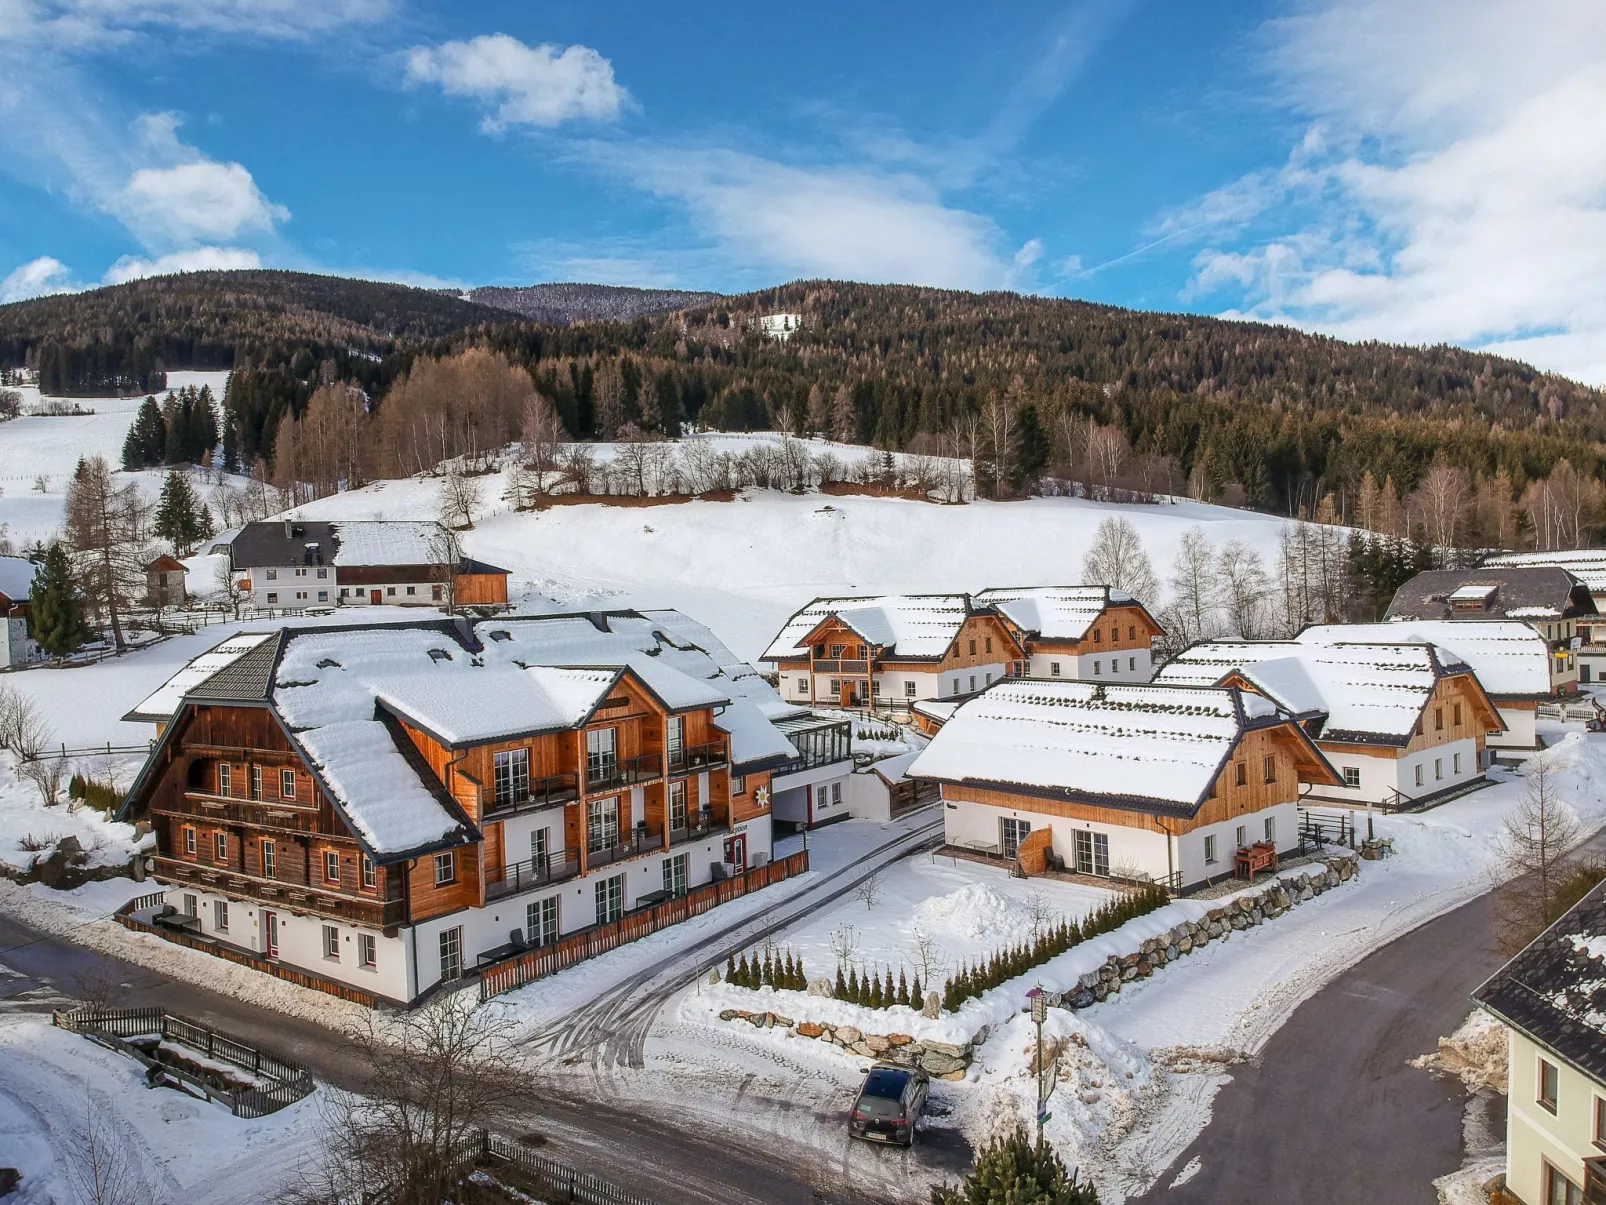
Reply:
x=889 y=1105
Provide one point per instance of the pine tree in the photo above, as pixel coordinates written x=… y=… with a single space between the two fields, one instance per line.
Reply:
x=147 y=437
x=56 y=614
x=730 y=968
x=853 y=985
x=1017 y=1171
x=741 y=970
x=767 y=978
x=903 y=988
x=917 y=997
x=231 y=443
x=176 y=519
x=840 y=988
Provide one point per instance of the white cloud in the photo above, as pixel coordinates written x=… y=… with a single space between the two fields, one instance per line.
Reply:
x=194 y=202
x=1454 y=189
x=839 y=222
x=68 y=23
x=37 y=278
x=197 y=259
x=522 y=85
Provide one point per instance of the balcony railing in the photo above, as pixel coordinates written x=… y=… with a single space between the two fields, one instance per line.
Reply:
x=694 y=827
x=277 y=893
x=623 y=771
x=834 y=666
x=697 y=757
x=543 y=793
x=536 y=872
x=643 y=839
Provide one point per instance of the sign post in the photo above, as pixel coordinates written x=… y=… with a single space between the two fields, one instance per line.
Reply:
x=1040 y=1001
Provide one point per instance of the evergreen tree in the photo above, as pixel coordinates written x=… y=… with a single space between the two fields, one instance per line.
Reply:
x=730 y=968
x=840 y=988
x=877 y=1000
x=1017 y=1171
x=917 y=997
x=56 y=613
x=231 y=444
x=903 y=988
x=147 y=437
x=177 y=520
x=853 y=985
x=1036 y=449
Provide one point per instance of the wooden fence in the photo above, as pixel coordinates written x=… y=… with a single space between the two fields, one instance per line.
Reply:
x=556 y=1182
x=577 y=947
x=317 y=983
x=114 y=1026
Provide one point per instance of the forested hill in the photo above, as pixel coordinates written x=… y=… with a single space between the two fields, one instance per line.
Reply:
x=560 y=304
x=122 y=337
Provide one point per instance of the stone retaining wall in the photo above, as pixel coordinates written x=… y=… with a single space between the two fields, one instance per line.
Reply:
x=944 y=1060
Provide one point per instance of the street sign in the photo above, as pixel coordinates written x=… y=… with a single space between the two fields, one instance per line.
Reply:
x=1039 y=1007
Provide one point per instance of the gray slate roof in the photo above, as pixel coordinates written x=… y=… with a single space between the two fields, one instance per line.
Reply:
x=1554 y=991
x=1526 y=592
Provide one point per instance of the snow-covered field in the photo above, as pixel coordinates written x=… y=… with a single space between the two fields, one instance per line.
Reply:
x=52 y=1083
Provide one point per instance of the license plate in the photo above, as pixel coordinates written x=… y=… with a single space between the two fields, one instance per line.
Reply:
x=874 y=1137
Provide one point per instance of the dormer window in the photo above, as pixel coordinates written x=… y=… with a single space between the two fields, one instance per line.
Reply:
x=501 y=634
x=439 y=655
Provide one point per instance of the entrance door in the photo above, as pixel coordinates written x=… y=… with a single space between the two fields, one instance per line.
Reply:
x=270 y=934
x=736 y=852
x=1011 y=833
x=374 y=596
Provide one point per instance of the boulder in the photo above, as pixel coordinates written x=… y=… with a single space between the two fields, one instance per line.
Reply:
x=898 y=1039
x=876 y=1043
x=1082 y=997
x=1346 y=868
x=948 y=1049
x=782 y=1022
x=1172 y=953
x=1185 y=946
x=848 y=1034
x=860 y=1048
x=822 y=987
x=932 y=1006
x=809 y=1029
x=728 y=1014
x=951 y=1076
x=936 y=1063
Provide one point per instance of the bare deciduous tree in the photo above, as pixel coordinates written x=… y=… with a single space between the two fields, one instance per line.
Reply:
x=543 y=435
x=1117 y=560
x=869 y=891
x=101 y=1164
x=1242 y=585
x=445 y=563
x=105 y=525
x=1535 y=843
x=1195 y=585
x=460 y=495
x=928 y=956
x=844 y=944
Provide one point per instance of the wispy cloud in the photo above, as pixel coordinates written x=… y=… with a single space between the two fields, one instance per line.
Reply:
x=541 y=85
x=37 y=278
x=1453 y=188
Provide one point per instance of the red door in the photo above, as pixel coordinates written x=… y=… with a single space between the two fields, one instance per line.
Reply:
x=736 y=852
x=374 y=596
x=270 y=934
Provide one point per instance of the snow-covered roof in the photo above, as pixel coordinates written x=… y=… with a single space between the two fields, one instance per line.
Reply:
x=753 y=737
x=1365 y=690
x=1510 y=659
x=1472 y=593
x=384 y=542
x=1142 y=745
x=16 y=577
x=1588 y=565
x=1053 y=612
x=162 y=702
x=913 y=625
x=934 y=709
x=894 y=770
x=465 y=709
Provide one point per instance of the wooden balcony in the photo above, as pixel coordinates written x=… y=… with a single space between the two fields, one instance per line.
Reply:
x=643 y=839
x=697 y=757
x=1595 y=1181
x=503 y=881
x=695 y=828
x=292 y=897
x=840 y=667
x=551 y=792
x=257 y=813
x=623 y=772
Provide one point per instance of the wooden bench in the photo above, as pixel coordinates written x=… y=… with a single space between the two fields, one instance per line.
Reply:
x=1248 y=862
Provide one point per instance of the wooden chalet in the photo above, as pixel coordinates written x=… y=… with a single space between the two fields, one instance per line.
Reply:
x=1090 y=633
x=886 y=652
x=391 y=806
x=1145 y=782
x=1403 y=723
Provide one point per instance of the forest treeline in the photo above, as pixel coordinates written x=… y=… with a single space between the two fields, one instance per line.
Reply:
x=1038 y=392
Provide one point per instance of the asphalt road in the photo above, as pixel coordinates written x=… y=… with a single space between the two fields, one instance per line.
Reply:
x=1331 y=1112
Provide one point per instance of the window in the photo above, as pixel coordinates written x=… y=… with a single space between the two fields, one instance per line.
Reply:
x=331 y=942
x=323 y=596
x=955 y=690
x=1438 y=719
x=1559 y=1190
x=989 y=677
x=1455 y=763
x=225 y=778
x=1549 y=1080
x=1455 y=714
x=220 y=915
x=541 y=921
x=1053 y=669
x=367 y=950
x=331 y=866
x=1269 y=767
x=287 y=784
x=988 y=643
x=510 y=774
x=323 y=572
x=412 y=589
x=301 y=573
x=835 y=686
x=272 y=575
x=1352 y=776
x=675 y=875
x=1131 y=663
x=602 y=824
x=1438 y=768
x=610 y=899
x=875 y=687
x=1011 y=833
x=1098 y=669
x=435 y=593
x=602 y=756
x=540 y=846
x=738 y=784
x=270 y=859
x=451 y=952
x=972 y=682
x=1092 y=852
x=301 y=596
x=344 y=592
x=189 y=841
x=1240 y=773
x=272 y=597
x=677 y=804
x=256 y=782
x=191 y=905
x=1271 y=829
x=1132 y=631
x=836 y=794
x=675 y=739
x=369 y=877
x=390 y=591
x=836 y=651
x=909 y=690
x=1210 y=849
x=1598 y=1125
x=445 y=868
x=1419 y=775
x=1241 y=836
x=1098 y=636
x=972 y=648
x=220 y=847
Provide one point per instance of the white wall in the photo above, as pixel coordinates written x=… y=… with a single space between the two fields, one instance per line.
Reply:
x=967 y=823
x=1522 y=731
x=1131 y=665
x=391 y=594
x=1534 y=1135
x=1381 y=776
x=16 y=646
x=867 y=797
x=287 y=585
x=1190 y=851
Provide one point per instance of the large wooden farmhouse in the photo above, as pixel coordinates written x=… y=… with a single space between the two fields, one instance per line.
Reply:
x=1091 y=633
x=386 y=806
x=1513 y=664
x=300 y=563
x=1402 y=723
x=891 y=650
x=1137 y=781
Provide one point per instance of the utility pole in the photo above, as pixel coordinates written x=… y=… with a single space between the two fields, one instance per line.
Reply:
x=1045 y=1085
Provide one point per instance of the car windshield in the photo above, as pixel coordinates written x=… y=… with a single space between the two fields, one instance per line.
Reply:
x=879 y=1106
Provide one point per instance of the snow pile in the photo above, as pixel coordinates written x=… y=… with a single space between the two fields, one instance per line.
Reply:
x=1475 y=1054
x=25 y=818
x=975 y=912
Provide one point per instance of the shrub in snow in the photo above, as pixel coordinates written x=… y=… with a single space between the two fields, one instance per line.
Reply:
x=780 y=972
x=1014 y=1170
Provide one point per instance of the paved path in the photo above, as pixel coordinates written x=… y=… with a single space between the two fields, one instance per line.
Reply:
x=1330 y=1112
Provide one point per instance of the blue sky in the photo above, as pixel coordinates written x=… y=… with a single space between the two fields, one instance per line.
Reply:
x=1422 y=172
